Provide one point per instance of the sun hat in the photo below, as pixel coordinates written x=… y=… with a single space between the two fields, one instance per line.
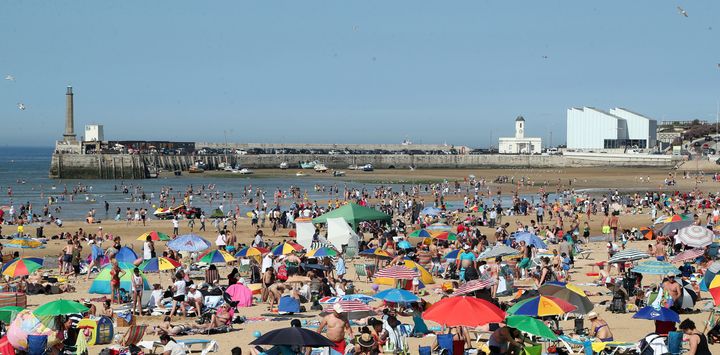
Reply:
x=366 y=340
x=670 y=274
x=592 y=315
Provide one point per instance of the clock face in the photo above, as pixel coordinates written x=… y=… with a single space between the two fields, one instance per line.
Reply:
x=520 y=131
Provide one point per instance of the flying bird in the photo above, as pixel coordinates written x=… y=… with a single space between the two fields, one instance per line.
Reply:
x=545 y=57
x=9 y=77
x=682 y=11
x=21 y=106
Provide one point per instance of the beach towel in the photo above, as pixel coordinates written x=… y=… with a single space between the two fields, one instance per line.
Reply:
x=288 y=304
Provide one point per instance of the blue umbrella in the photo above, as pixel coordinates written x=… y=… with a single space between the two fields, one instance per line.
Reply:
x=431 y=211
x=189 y=242
x=661 y=314
x=404 y=244
x=530 y=239
x=397 y=295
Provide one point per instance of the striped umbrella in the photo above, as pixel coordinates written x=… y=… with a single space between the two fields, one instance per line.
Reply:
x=628 y=255
x=397 y=272
x=251 y=251
x=541 y=306
x=695 y=236
x=189 y=242
x=498 y=250
x=376 y=252
x=654 y=267
x=155 y=236
x=647 y=233
x=347 y=306
x=22 y=266
x=286 y=248
x=322 y=253
x=677 y=218
x=353 y=297
x=216 y=256
x=420 y=233
x=690 y=254
x=438 y=227
x=159 y=264
x=472 y=286
x=446 y=236
x=569 y=293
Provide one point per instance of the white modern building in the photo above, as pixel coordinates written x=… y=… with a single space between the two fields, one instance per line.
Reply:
x=520 y=144
x=590 y=128
x=94 y=133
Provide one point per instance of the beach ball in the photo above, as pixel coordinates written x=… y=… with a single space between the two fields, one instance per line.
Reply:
x=375 y=287
x=257 y=334
x=26 y=323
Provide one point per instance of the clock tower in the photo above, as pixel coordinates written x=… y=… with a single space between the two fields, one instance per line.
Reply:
x=520 y=127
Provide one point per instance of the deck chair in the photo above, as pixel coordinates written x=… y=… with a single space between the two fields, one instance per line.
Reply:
x=134 y=335
x=674 y=342
x=575 y=346
x=533 y=350
x=37 y=344
x=424 y=350
x=211 y=347
x=361 y=271
x=445 y=344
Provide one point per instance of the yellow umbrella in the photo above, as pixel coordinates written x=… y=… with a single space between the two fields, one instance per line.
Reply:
x=425 y=276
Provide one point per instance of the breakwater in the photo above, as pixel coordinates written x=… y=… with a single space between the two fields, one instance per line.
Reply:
x=126 y=166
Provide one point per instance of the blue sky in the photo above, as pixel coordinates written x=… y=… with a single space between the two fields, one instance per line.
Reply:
x=349 y=71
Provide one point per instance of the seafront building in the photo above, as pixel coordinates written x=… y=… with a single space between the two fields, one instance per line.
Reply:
x=520 y=144
x=591 y=128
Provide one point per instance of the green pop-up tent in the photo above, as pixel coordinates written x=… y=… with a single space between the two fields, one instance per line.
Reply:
x=353 y=213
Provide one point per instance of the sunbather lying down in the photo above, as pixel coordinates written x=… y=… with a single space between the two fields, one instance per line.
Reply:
x=221 y=318
x=166 y=327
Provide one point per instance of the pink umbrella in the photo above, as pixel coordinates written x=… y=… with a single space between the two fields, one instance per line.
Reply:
x=397 y=272
x=688 y=255
x=348 y=306
x=240 y=294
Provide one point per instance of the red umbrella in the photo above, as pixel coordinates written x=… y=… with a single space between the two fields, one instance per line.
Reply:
x=464 y=311
x=690 y=254
x=397 y=272
x=473 y=286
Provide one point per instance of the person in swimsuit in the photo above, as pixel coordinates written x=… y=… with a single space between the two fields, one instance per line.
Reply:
x=697 y=340
x=502 y=339
x=337 y=326
x=115 y=275
x=599 y=328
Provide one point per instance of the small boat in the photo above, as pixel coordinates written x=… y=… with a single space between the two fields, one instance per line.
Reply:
x=367 y=167
x=321 y=168
x=300 y=173
x=338 y=173
x=308 y=164
x=245 y=171
x=283 y=165
x=195 y=170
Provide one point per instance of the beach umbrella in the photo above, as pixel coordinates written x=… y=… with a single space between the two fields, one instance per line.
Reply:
x=541 y=306
x=690 y=254
x=657 y=313
x=710 y=273
x=159 y=264
x=695 y=236
x=101 y=283
x=420 y=233
x=352 y=308
x=293 y=336
x=189 y=242
x=531 y=325
x=397 y=295
x=59 y=308
x=473 y=285
x=498 y=250
x=397 y=272
x=155 y=236
x=322 y=253
x=215 y=257
x=647 y=233
x=714 y=288
x=8 y=313
x=677 y=218
x=453 y=254
x=126 y=255
x=669 y=227
x=404 y=244
x=628 y=255
x=569 y=293
x=24 y=243
x=425 y=276
x=286 y=248
x=430 y=211
x=247 y=252
x=530 y=239
x=654 y=267
x=376 y=252
x=445 y=236
x=353 y=297
x=464 y=311
x=21 y=266
x=439 y=227
x=25 y=324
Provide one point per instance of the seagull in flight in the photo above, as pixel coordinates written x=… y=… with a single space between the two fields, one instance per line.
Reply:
x=9 y=77
x=682 y=11
x=21 y=106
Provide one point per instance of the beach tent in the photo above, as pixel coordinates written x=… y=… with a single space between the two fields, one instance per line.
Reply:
x=340 y=233
x=241 y=294
x=353 y=214
x=126 y=255
x=101 y=284
x=304 y=233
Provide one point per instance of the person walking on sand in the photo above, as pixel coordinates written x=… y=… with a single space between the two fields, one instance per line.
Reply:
x=176 y=226
x=337 y=326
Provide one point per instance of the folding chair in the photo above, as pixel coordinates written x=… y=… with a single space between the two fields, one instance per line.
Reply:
x=575 y=346
x=361 y=271
x=533 y=350
x=445 y=343
x=424 y=350
x=134 y=335
x=37 y=344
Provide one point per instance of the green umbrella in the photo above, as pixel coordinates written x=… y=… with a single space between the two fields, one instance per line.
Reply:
x=60 y=307
x=8 y=313
x=531 y=326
